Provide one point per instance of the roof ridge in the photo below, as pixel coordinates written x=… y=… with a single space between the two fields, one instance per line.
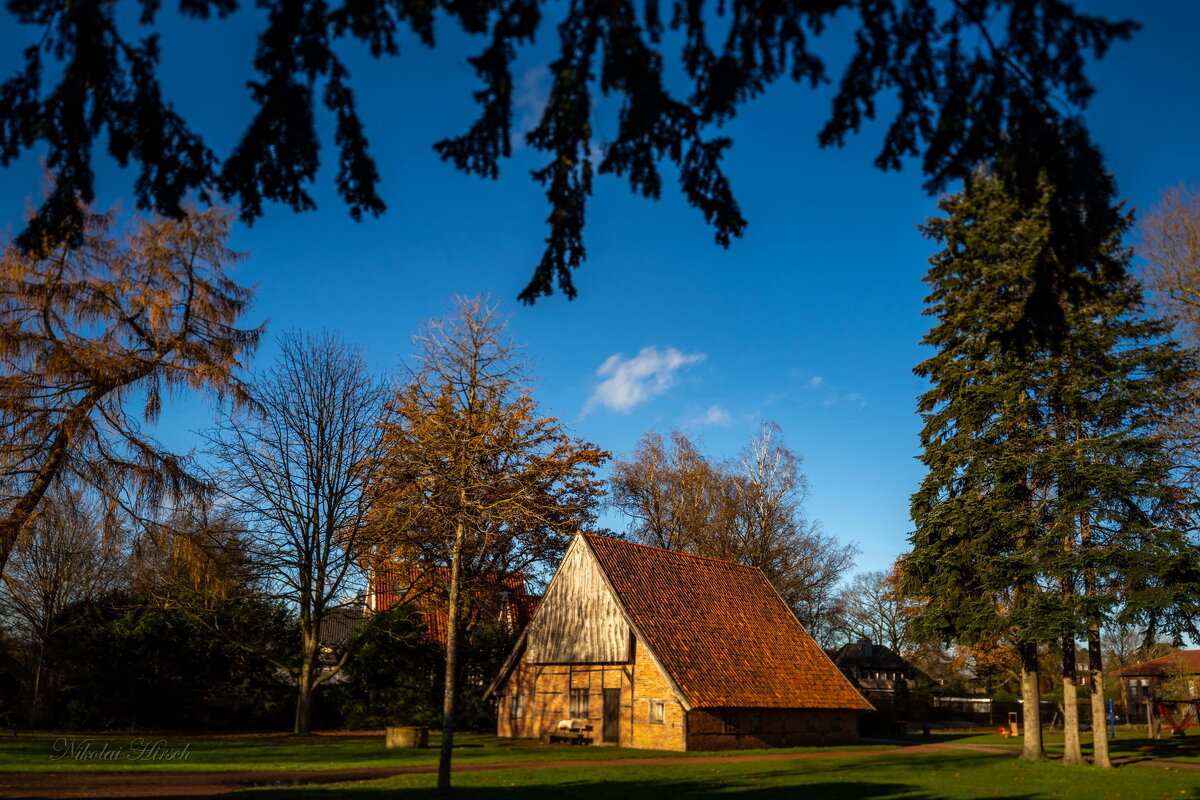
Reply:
x=672 y=552
x=1178 y=655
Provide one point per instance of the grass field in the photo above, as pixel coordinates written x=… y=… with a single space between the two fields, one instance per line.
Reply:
x=1128 y=744
x=958 y=775
x=49 y=752
x=902 y=773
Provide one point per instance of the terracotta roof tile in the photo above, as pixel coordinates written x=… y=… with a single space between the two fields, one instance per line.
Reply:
x=721 y=631
x=499 y=597
x=1165 y=665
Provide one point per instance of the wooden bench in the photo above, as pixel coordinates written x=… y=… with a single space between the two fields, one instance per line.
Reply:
x=569 y=731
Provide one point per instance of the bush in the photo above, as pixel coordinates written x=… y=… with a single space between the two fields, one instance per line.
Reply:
x=124 y=661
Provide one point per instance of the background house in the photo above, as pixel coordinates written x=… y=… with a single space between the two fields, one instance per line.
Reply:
x=876 y=671
x=491 y=598
x=1172 y=677
x=656 y=649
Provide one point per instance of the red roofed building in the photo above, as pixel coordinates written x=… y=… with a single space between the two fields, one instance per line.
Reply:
x=642 y=647
x=1142 y=682
x=489 y=599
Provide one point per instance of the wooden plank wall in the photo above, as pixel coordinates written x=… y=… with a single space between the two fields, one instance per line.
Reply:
x=578 y=621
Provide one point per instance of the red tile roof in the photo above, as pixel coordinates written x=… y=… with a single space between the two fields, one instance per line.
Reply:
x=1165 y=665
x=721 y=631
x=498 y=597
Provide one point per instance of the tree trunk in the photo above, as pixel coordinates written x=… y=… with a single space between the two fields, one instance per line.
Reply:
x=1032 y=748
x=303 y=721
x=1100 y=756
x=35 y=706
x=23 y=509
x=443 y=781
x=1072 y=752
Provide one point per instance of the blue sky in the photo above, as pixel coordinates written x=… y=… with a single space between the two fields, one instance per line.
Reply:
x=813 y=319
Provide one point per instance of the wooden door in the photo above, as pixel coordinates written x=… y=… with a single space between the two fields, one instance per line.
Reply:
x=611 y=729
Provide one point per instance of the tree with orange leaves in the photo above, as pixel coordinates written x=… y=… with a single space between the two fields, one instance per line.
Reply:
x=87 y=329
x=472 y=479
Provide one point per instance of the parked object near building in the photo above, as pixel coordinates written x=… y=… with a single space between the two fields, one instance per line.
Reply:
x=661 y=650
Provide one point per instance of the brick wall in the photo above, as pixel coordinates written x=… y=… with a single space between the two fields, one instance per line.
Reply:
x=650 y=685
x=748 y=728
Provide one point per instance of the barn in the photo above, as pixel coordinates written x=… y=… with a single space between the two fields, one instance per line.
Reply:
x=641 y=647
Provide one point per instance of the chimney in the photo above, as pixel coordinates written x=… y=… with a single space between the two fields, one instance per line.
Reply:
x=866 y=647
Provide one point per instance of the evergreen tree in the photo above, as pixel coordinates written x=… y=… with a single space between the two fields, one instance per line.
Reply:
x=1048 y=494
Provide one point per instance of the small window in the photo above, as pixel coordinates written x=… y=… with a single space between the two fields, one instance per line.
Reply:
x=756 y=723
x=579 y=703
x=835 y=724
x=658 y=711
x=516 y=706
x=810 y=723
x=731 y=723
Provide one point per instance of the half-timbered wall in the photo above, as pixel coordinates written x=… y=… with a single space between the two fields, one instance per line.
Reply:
x=544 y=692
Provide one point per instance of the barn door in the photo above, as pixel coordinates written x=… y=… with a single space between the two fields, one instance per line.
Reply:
x=611 y=730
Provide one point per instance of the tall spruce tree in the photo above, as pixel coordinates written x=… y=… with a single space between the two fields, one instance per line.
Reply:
x=1048 y=498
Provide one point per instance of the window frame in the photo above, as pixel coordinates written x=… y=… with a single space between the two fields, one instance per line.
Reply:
x=657 y=713
x=578 y=698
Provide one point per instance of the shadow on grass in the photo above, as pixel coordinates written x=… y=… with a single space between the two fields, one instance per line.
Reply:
x=848 y=789
x=1187 y=747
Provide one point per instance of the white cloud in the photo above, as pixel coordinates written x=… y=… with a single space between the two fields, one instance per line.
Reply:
x=715 y=416
x=832 y=395
x=530 y=96
x=628 y=382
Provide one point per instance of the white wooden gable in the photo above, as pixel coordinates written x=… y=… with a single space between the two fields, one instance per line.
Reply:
x=579 y=619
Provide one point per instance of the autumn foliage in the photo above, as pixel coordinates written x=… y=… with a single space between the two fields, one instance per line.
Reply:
x=87 y=332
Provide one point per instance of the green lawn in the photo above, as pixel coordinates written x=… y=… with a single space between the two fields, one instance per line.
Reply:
x=1128 y=744
x=36 y=752
x=961 y=775
x=947 y=775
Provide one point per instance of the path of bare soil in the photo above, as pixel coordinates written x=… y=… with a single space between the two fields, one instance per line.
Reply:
x=183 y=785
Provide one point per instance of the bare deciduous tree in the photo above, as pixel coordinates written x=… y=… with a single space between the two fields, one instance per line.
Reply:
x=84 y=330
x=1170 y=247
x=71 y=551
x=471 y=477
x=873 y=608
x=675 y=497
x=749 y=510
x=294 y=470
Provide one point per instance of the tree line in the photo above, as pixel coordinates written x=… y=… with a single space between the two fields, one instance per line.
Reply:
x=318 y=475
x=1056 y=500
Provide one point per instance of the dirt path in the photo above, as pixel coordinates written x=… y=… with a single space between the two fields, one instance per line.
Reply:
x=181 y=785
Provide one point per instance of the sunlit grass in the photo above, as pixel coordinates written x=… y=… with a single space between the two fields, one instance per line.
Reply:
x=947 y=775
x=51 y=752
